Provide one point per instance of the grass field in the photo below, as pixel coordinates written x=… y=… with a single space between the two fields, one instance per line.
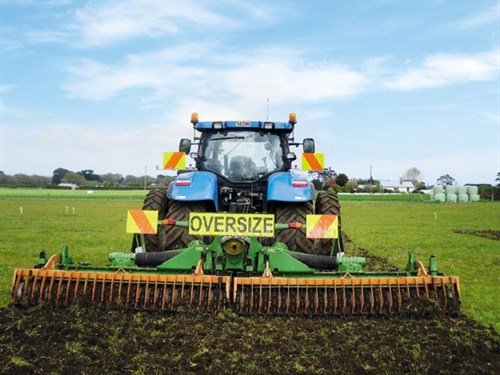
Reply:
x=94 y=227
x=65 y=194
x=57 y=194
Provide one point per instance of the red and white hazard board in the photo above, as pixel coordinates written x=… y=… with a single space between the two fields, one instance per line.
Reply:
x=312 y=161
x=145 y=222
x=174 y=160
x=322 y=226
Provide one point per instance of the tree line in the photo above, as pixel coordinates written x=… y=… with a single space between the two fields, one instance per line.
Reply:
x=85 y=178
x=329 y=180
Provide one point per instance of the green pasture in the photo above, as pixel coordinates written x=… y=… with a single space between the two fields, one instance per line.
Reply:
x=78 y=194
x=391 y=229
x=95 y=227
x=89 y=194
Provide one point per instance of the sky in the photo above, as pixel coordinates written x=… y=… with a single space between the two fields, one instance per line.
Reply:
x=380 y=85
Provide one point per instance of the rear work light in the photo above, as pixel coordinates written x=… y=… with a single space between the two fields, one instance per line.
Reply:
x=182 y=182
x=269 y=125
x=300 y=183
x=217 y=125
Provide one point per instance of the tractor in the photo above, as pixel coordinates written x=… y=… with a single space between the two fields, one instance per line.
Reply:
x=242 y=167
x=241 y=230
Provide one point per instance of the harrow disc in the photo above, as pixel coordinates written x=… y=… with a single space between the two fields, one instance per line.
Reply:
x=346 y=296
x=124 y=290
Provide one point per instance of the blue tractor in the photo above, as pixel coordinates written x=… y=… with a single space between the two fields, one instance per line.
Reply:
x=242 y=167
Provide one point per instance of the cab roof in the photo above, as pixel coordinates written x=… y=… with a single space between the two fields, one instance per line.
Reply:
x=265 y=125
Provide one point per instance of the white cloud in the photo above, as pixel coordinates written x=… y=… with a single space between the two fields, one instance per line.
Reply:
x=484 y=17
x=235 y=77
x=111 y=22
x=445 y=69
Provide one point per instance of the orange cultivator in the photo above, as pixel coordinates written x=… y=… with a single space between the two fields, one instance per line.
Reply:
x=275 y=281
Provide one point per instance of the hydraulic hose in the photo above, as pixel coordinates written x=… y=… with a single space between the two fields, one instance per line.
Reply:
x=154 y=259
x=316 y=261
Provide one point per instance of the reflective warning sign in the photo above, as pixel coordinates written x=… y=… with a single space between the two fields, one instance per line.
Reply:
x=247 y=225
x=313 y=161
x=174 y=160
x=322 y=226
x=139 y=221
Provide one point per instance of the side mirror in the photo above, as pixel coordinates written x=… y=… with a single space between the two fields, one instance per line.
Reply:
x=185 y=145
x=308 y=145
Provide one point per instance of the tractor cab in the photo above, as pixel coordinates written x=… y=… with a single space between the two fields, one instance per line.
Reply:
x=242 y=155
x=241 y=166
x=244 y=151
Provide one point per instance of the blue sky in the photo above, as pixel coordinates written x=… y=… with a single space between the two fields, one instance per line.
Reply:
x=110 y=85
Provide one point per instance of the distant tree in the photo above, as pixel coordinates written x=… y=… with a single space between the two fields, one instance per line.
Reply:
x=74 y=178
x=89 y=175
x=446 y=180
x=498 y=178
x=133 y=180
x=21 y=179
x=4 y=179
x=419 y=185
x=342 y=179
x=413 y=174
x=162 y=180
x=350 y=186
x=329 y=182
x=58 y=175
x=112 y=179
x=362 y=181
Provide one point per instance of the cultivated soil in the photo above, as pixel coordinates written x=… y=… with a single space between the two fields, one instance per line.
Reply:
x=77 y=340
x=491 y=234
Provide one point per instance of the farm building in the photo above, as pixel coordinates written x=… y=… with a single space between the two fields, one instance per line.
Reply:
x=398 y=186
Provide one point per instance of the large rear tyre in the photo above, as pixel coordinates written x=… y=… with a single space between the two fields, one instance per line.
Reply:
x=172 y=237
x=295 y=239
x=155 y=200
x=328 y=204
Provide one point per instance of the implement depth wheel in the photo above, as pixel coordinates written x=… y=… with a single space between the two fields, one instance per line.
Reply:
x=172 y=237
x=295 y=239
x=155 y=200
x=328 y=204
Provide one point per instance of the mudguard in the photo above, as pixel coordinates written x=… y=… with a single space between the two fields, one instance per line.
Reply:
x=280 y=188
x=195 y=186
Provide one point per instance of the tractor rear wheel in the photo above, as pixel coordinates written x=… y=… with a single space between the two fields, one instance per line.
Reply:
x=295 y=239
x=172 y=237
x=327 y=203
x=155 y=200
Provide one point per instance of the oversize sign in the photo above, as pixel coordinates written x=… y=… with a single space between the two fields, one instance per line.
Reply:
x=313 y=161
x=322 y=226
x=174 y=160
x=139 y=221
x=247 y=225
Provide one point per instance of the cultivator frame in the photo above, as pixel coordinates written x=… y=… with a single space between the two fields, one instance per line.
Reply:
x=259 y=280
